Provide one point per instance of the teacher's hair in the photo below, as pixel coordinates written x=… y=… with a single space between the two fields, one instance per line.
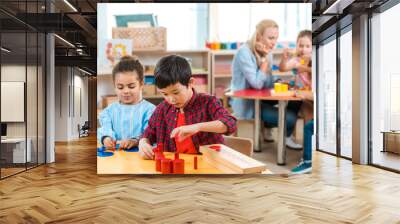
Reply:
x=260 y=28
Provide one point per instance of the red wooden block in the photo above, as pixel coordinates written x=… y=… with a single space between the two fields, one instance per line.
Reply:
x=158 y=158
x=176 y=156
x=166 y=166
x=195 y=163
x=158 y=149
x=216 y=147
x=179 y=166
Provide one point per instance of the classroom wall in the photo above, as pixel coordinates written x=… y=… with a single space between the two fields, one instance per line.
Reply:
x=105 y=86
x=71 y=102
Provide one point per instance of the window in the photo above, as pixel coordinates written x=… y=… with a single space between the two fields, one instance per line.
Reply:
x=385 y=84
x=346 y=94
x=327 y=96
x=227 y=26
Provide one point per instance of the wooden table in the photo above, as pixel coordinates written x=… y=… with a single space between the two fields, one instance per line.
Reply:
x=265 y=94
x=131 y=163
x=391 y=141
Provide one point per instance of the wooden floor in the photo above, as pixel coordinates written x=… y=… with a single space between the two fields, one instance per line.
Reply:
x=386 y=159
x=70 y=191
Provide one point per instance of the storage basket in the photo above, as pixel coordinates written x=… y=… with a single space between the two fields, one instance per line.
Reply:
x=143 y=39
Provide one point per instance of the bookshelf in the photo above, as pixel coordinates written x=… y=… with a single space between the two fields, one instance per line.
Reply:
x=221 y=71
x=199 y=60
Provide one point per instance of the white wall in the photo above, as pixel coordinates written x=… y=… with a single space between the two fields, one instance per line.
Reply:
x=105 y=86
x=34 y=124
x=67 y=114
x=14 y=73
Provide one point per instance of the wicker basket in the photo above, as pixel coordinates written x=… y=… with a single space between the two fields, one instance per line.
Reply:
x=144 y=39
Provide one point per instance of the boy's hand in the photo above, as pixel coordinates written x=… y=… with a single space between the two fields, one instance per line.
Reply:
x=108 y=142
x=145 y=149
x=128 y=143
x=183 y=132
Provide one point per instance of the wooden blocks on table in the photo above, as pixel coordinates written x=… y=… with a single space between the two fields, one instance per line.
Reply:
x=195 y=162
x=284 y=93
x=168 y=166
x=229 y=159
x=178 y=166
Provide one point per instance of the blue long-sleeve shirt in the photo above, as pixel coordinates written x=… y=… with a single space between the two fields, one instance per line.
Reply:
x=247 y=75
x=120 y=121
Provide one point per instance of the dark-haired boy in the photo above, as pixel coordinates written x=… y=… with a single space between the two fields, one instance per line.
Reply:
x=185 y=119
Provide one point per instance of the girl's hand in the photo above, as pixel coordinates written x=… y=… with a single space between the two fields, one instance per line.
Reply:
x=307 y=57
x=108 y=142
x=303 y=68
x=285 y=54
x=183 y=132
x=128 y=143
x=305 y=95
x=145 y=149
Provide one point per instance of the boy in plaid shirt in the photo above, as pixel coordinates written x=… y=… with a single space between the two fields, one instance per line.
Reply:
x=185 y=119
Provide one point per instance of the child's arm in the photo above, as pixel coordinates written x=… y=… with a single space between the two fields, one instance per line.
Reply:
x=105 y=134
x=304 y=68
x=284 y=59
x=145 y=149
x=286 y=64
x=149 y=135
x=128 y=143
x=305 y=95
x=183 y=132
x=222 y=122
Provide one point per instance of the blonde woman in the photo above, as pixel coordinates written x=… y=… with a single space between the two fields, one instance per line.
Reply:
x=252 y=66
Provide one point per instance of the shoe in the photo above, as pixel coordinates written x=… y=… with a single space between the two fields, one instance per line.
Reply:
x=293 y=145
x=268 y=135
x=303 y=167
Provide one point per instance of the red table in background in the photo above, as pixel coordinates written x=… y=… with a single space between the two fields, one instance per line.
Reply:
x=265 y=94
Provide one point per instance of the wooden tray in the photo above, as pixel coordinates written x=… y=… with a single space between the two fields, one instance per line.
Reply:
x=231 y=159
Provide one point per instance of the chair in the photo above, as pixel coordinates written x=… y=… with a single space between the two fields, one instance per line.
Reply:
x=84 y=130
x=242 y=145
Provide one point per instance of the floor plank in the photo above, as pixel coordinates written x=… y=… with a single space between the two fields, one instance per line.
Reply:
x=70 y=191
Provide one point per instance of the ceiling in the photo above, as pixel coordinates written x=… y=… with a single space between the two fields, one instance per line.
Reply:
x=329 y=15
x=77 y=23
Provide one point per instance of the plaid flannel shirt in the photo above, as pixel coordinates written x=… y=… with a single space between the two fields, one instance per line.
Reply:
x=200 y=108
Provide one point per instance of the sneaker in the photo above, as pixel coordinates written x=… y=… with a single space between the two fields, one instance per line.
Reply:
x=268 y=135
x=293 y=145
x=303 y=167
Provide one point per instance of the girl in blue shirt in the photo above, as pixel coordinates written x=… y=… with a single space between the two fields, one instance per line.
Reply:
x=252 y=66
x=124 y=121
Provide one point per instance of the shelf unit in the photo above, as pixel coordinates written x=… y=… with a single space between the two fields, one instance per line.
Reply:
x=200 y=62
x=221 y=71
x=211 y=69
